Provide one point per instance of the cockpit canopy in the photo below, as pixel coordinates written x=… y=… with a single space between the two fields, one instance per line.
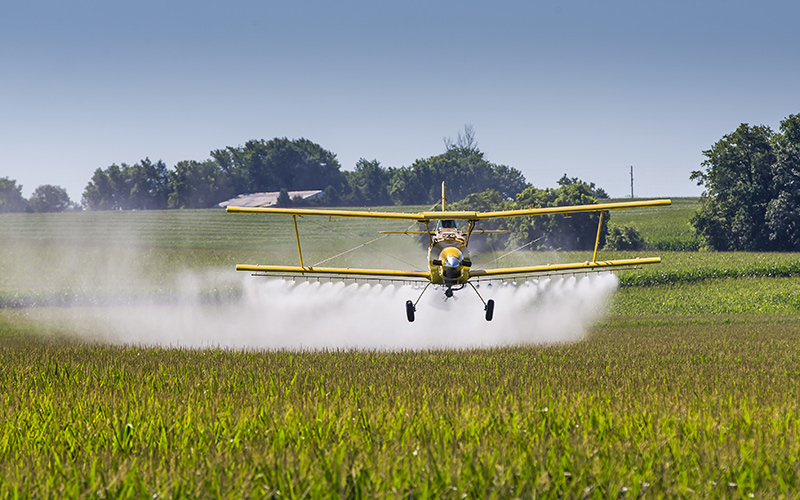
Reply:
x=447 y=224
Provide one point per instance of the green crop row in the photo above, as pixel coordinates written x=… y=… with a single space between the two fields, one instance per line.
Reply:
x=762 y=296
x=652 y=277
x=186 y=229
x=695 y=410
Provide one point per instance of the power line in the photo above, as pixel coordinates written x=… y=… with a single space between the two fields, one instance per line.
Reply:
x=596 y=168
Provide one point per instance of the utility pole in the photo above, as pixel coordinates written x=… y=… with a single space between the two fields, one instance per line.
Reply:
x=631 y=181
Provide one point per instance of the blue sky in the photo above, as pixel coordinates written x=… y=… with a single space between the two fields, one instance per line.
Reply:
x=586 y=88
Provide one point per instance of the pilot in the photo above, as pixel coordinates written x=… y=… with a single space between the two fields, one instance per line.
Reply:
x=448 y=224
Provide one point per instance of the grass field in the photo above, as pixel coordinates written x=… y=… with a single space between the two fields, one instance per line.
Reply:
x=663 y=228
x=688 y=388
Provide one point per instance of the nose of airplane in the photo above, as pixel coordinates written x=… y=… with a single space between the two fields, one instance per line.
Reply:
x=451 y=261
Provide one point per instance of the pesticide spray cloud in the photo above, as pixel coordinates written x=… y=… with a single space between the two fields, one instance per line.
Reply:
x=108 y=278
x=276 y=314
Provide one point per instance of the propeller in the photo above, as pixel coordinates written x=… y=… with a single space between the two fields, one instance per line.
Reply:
x=448 y=294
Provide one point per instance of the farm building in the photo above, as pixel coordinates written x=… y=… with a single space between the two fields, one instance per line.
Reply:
x=265 y=199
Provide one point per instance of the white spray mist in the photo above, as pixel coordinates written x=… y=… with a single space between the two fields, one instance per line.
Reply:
x=276 y=314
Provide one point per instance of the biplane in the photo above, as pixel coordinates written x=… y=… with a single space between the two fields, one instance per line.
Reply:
x=449 y=264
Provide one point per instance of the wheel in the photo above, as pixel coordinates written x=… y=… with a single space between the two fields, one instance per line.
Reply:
x=410 y=311
x=489 y=309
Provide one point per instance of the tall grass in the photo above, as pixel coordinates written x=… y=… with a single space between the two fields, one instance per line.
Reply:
x=696 y=410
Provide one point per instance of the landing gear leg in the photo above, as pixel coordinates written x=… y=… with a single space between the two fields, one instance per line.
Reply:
x=411 y=307
x=488 y=305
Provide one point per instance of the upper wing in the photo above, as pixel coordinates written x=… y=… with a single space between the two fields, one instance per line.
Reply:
x=597 y=207
x=468 y=215
x=329 y=213
x=555 y=268
x=336 y=271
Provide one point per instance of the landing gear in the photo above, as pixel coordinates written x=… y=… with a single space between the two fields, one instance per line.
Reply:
x=489 y=308
x=411 y=307
x=488 y=305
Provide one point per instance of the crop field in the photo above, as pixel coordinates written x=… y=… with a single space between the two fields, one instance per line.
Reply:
x=689 y=386
x=664 y=230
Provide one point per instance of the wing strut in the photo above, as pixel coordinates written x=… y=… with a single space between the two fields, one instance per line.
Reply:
x=597 y=241
x=297 y=233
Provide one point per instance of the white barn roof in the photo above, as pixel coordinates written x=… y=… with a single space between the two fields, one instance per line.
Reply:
x=265 y=199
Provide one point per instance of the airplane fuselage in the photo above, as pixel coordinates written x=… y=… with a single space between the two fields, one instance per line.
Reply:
x=448 y=257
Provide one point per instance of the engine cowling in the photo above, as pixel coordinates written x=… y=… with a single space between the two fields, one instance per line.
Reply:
x=452 y=262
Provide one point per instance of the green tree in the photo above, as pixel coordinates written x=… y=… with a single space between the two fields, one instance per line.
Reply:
x=108 y=189
x=624 y=238
x=462 y=167
x=283 y=201
x=331 y=196
x=739 y=181
x=142 y=186
x=596 y=192
x=406 y=189
x=198 y=185
x=783 y=211
x=49 y=198
x=149 y=185
x=508 y=181
x=99 y=192
x=369 y=183
x=558 y=232
x=11 y=199
x=565 y=232
x=279 y=164
x=486 y=201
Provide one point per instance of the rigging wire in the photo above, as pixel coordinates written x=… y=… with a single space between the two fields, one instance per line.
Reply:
x=352 y=249
x=353 y=237
x=517 y=249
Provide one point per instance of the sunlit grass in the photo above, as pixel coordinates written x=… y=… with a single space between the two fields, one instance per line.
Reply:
x=666 y=228
x=691 y=410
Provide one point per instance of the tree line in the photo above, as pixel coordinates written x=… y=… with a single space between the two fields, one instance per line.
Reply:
x=751 y=178
x=752 y=196
x=282 y=164
x=45 y=198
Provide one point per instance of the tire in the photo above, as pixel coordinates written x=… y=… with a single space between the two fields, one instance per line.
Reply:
x=410 y=311
x=489 y=309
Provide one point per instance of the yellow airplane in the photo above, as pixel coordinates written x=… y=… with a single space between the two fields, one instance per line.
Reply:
x=448 y=257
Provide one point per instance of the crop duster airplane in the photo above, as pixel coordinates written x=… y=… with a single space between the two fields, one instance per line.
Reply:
x=449 y=263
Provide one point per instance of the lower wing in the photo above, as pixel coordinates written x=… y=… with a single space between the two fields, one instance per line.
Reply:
x=344 y=272
x=587 y=266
